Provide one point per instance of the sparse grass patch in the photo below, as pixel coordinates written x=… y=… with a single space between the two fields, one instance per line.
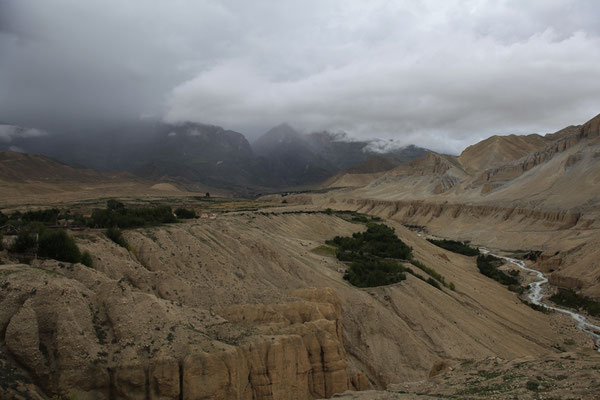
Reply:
x=324 y=250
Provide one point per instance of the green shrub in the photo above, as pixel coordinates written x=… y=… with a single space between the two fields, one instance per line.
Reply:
x=59 y=246
x=455 y=246
x=86 y=259
x=434 y=283
x=1 y=239
x=532 y=385
x=452 y=286
x=488 y=266
x=116 y=236
x=360 y=218
x=184 y=213
x=429 y=271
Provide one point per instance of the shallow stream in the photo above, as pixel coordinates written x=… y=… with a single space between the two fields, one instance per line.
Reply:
x=536 y=296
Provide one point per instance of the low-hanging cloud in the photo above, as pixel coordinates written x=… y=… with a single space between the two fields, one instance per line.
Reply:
x=440 y=74
x=9 y=133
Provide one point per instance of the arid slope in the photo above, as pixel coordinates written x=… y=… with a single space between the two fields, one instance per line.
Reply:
x=202 y=303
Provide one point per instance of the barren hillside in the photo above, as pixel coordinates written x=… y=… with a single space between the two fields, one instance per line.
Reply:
x=210 y=302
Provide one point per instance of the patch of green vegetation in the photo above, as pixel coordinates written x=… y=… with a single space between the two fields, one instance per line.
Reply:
x=429 y=271
x=370 y=272
x=184 y=213
x=488 y=266
x=86 y=259
x=378 y=240
x=118 y=215
x=570 y=298
x=455 y=246
x=373 y=256
x=37 y=239
x=25 y=241
x=369 y=256
x=536 y=307
x=534 y=386
x=324 y=250
x=57 y=244
x=116 y=236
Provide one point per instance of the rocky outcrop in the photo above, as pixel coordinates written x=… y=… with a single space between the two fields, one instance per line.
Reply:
x=118 y=343
x=512 y=170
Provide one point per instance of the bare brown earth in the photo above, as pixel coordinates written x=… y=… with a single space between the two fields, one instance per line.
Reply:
x=240 y=307
x=28 y=179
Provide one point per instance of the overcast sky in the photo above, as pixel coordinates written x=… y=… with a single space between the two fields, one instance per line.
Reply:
x=438 y=73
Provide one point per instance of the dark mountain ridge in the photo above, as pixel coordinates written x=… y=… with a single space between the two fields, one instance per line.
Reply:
x=199 y=154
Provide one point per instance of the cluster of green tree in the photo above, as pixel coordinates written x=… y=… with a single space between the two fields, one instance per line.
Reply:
x=35 y=220
x=367 y=253
x=378 y=240
x=184 y=213
x=455 y=246
x=570 y=298
x=372 y=256
x=488 y=266
x=47 y=243
x=372 y=271
x=117 y=215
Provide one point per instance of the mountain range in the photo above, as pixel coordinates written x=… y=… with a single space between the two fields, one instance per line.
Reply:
x=199 y=155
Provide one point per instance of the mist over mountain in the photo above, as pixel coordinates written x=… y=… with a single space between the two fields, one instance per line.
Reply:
x=199 y=154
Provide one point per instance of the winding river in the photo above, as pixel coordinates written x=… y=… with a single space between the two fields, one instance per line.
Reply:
x=536 y=296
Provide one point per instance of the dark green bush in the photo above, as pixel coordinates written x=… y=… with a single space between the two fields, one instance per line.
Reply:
x=116 y=236
x=3 y=219
x=184 y=213
x=25 y=241
x=570 y=298
x=59 y=246
x=123 y=217
x=488 y=266
x=434 y=283
x=86 y=259
x=532 y=385
x=115 y=205
x=455 y=246
x=48 y=217
x=370 y=272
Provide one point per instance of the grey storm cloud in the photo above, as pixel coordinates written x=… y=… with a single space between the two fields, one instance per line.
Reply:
x=441 y=74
